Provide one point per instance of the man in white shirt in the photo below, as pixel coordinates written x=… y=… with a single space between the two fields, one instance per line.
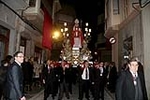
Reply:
x=84 y=80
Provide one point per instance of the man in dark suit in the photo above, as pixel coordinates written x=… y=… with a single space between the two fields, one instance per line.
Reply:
x=49 y=80
x=99 y=81
x=84 y=80
x=14 y=79
x=131 y=83
x=64 y=79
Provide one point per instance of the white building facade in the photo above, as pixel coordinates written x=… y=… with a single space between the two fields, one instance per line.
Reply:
x=19 y=32
x=129 y=22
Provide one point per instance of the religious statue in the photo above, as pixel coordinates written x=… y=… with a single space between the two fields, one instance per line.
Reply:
x=77 y=35
x=85 y=53
x=67 y=51
x=75 y=48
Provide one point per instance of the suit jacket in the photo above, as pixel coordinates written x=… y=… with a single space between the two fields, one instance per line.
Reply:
x=65 y=76
x=125 y=89
x=49 y=76
x=14 y=82
x=96 y=77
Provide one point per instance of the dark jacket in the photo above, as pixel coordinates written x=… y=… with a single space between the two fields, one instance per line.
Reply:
x=125 y=89
x=3 y=72
x=97 y=77
x=65 y=76
x=14 y=82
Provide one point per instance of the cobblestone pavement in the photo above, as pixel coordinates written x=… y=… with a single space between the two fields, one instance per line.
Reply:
x=74 y=96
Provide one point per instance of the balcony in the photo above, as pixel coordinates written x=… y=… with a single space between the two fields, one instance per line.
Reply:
x=112 y=25
x=112 y=18
x=16 y=4
x=111 y=30
x=35 y=15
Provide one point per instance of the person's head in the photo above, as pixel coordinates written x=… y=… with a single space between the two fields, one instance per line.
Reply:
x=106 y=63
x=96 y=65
x=19 y=56
x=31 y=59
x=86 y=63
x=4 y=63
x=63 y=62
x=26 y=59
x=9 y=58
x=52 y=65
x=101 y=64
x=48 y=62
x=133 y=64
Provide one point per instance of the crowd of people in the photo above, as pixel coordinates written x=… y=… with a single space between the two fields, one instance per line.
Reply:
x=57 y=78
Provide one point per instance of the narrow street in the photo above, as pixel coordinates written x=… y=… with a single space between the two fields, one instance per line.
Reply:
x=74 y=96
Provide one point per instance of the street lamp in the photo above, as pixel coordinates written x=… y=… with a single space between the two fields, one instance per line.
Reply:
x=67 y=51
x=56 y=35
x=64 y=30
x=87 y=33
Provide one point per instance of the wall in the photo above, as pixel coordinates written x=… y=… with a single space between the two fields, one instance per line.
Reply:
x=7 y=19
x=133 y=28
x=115 y=51
x=12 y=42
x=146 y=38
x=139 y=29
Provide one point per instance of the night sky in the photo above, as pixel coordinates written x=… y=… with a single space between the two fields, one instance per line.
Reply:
x=88 y=11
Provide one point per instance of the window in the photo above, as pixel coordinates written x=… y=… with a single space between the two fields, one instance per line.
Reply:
x=38 y=54
x=4 y=40
x=23 y=45
x=32 y=3
x=116 y=7
x=143 y=3
x=107 y=15
x=126 y=7
x=108 y=9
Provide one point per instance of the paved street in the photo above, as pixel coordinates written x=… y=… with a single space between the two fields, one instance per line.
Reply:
x=74 y=96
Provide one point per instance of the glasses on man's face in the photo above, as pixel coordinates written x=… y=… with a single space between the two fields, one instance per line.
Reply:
x=20 y=56
x=134 y=65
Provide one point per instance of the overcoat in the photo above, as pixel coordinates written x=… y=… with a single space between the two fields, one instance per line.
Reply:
x=14 y=82
x=125 y=89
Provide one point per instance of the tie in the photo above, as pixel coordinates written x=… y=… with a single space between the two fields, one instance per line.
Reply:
x=86 y=74
x=100 y=72
x=134 y=79
x=48 y=69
